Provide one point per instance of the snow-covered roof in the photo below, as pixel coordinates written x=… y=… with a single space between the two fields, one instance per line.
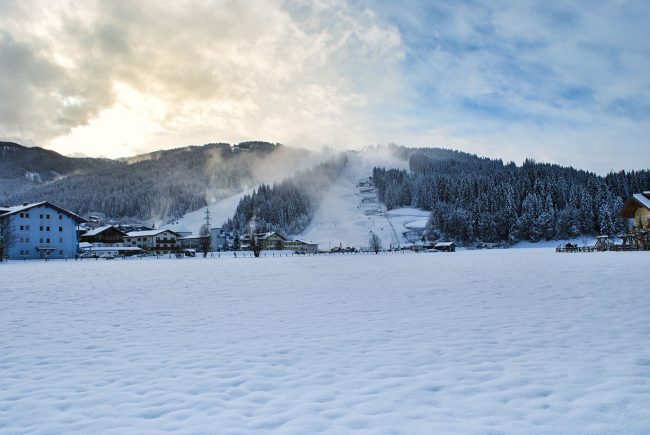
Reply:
x=632 y=204
x=150 y=233
x=269 y=234
x=18 y=208
x=100 y=230
x=302 y=241
x=176 y=227
x=643 y=199
x=444 y=244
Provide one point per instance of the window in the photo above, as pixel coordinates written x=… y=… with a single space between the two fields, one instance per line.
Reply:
x=26 y=239
x=47 y=228
x=27 y=227
x=22 y=215
x=40 y=216
x=48 y=241
x=48 y=216
x=60 y=229
x=27 y=215
x=22 y=228
x=60 y=252
x=60 y=240
x=21 y=240
x=40 y=241
x=60 y=217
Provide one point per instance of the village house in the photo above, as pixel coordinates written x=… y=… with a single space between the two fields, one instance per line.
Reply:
x=105 y=236
x=637 y=210
x=106 y=241
x=41 y=230
x=273 y=240
x=159 y=242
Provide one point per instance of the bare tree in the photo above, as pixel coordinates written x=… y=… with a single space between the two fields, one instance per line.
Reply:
x=7 y=237
x=375 y=243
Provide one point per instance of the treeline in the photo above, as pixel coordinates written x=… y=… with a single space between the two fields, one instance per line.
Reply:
x=479 y=199
x=288 y=206
x=161 y=186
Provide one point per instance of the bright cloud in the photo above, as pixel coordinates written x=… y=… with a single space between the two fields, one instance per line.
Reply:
x=565 y=82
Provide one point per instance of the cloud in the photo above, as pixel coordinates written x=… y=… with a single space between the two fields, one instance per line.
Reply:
x=566 y=82
x=201 y=70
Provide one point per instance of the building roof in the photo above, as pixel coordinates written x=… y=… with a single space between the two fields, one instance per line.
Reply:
x=7 y=211
x=643 y=198
x=176 y=227
x=100 y=230
x=301 y=241
x=150 y=233
x=271 y=233
x=637 y=200
x=444 y=244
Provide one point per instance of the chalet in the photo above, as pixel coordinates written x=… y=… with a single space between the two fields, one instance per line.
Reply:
x=41 y=230
x=272 y=240
x=301 y=246
x=106 y=236
x=159 y=241
x=637 y=210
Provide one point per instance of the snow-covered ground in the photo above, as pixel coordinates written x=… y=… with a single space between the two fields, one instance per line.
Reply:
x=500 y=341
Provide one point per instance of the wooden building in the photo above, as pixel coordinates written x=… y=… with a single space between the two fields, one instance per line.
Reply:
x=272 y=240
x=106 y=236
x=637 y=210
x=445 y=246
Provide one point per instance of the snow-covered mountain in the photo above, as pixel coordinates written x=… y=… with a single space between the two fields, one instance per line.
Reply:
x=348 y=211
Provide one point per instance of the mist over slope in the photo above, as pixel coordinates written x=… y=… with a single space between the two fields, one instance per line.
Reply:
x=157 y=186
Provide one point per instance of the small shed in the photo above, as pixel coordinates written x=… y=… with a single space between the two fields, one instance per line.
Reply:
x=445 y=246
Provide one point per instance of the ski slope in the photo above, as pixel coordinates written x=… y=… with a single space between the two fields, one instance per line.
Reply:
x=220 y=212
x=343 y=219
x=520 y=341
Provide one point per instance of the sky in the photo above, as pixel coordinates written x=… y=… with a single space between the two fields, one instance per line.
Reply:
x=557 y=81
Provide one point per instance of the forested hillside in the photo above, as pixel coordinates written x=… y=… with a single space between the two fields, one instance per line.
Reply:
x=288 y=206
x=478 y=199
x=162 y=185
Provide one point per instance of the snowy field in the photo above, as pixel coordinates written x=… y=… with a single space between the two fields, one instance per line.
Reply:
x=512 y=341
